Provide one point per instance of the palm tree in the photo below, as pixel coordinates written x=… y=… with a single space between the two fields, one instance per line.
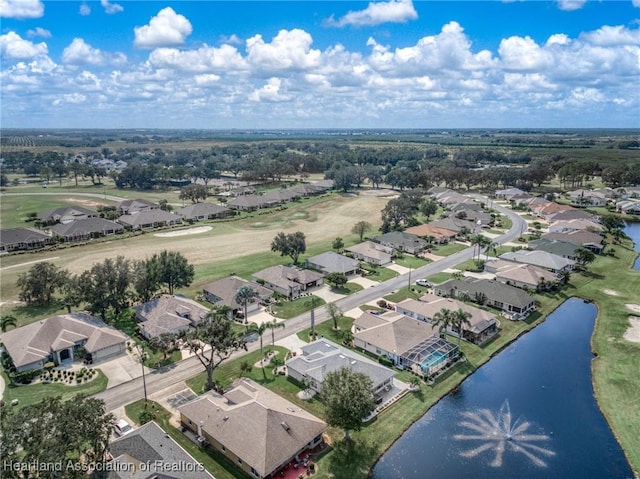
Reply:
x=334 y=312
x=476 y=241
x=491 y=247
x=259 y=330
x=459 y=319
x=7 y=321
x=313 y=302
x=273 y=326
x=244 y=295
x=443 y=319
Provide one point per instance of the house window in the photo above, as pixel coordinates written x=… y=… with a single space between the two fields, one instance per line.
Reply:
x=254 y=472
x=224 y=449
x=239 y=461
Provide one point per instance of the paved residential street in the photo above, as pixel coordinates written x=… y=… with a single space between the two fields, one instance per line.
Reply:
x=158 y=380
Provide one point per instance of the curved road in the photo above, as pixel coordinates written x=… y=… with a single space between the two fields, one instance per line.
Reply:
x=160 y=379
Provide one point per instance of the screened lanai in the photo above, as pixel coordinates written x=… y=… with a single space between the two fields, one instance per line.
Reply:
x=430 y=356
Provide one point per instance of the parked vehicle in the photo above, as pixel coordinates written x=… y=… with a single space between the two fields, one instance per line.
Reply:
x=423 y=282
x=121 y=427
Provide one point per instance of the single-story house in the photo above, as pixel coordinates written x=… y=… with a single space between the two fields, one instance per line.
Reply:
x=437 y=234
x=524 y=276
x=254 y=428
x=509 y=299
x=465 y=206
x=288 y=281
x=277 y=197
x=546 y=211
x=561 y=248
x=168 y=314
x=582 y=198
x=628 y=207
x=626 y=192
x=586 y=239
x=371 y=252
x=541 y=258
x=82 y=230
x=59 y=338
x=401 y=339
x=66 y=214
x=570 y=214
x=477 y=217
x=204 y=211
x=323 y=356
x=402 y=241
x=508 y=193
x=131 y=207
x=580 y=224
x=223 y=292
x=330 y=262
x=483 y=324
x=150 y=219
x=15 y=239
x=457 y=225
x=153 y=447
x=247 y=203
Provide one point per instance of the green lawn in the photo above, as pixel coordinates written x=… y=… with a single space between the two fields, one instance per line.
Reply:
x=326 y=330
x=409 y=261
x=469 y=265
x=289 y=309
x=404 y=293
x=449 y=249
x=439 y=278
x=348 y=288
x=381 y=274
x=33 y=393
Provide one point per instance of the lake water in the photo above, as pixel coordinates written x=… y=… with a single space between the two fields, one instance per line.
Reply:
x=633 y=231
x=527 y=413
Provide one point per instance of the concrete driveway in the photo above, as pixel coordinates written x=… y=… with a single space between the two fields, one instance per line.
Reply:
x=399 y=269
x=122 y=369
x=292 y=343
x=364 y=282
x=325 y=293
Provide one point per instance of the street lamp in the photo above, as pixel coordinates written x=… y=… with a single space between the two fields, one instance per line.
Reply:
x=143 y=357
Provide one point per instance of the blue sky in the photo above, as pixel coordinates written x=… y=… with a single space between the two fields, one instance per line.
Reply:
x=317 y=64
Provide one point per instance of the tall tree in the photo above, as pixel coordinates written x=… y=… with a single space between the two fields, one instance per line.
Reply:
x=292 y=245
x=193 y=192
x=585 y=256
x=337 y=244
x=459 y=319
x=213 y=341
x=361 y=228
x=429 y=207
x=40 y=283
x=348 y=398
x=313 y=302
x=337 y=280
x=51 y=431
x=334 y=312
x=106 y=286
x=6 y=321
x=174 y=271
x=443 y=319
x=244 y=296
x=273 y=325
x=164 y=343
x=72 y=293
x=146 y=278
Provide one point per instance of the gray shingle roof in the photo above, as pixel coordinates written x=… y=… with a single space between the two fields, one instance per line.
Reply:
x=539 y=258
x=323 y=356
x=226 y=288
x=401 y=240
x=35 y=341
x=148 y=217
x=169 y=313
x=249 y=420
x=560 y=248
x=86 y=227
x=203 y=209
x=148 y=444
x=330 y=262
x=11 y=236
x=493 y=290
x=67 y=212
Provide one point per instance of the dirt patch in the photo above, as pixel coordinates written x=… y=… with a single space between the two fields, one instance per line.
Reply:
x=610 y=292
x=633 y=331
x=190 y=231
x=633 y=307
x=87 y=203
x=381 y=193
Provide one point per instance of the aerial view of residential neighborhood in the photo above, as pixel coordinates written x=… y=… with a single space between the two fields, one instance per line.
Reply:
x=381 y=239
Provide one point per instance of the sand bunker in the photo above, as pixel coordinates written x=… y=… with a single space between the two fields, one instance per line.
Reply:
x=633 y=331
x=633 y=307
x=190 y=231
x=610 y=292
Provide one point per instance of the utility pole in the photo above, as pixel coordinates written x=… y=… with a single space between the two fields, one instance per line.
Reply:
x=143 y=357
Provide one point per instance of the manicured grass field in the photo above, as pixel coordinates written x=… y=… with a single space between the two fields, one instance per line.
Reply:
x=33 y=393
x=381 y=274
x=449 y=249
x=348 y=288
x=289 y=309
x=404 y=293
x=439 y=278
x=326 y=330
x=409 y=261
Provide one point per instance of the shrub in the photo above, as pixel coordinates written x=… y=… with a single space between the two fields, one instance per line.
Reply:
x=385 y=361
x=146 y=416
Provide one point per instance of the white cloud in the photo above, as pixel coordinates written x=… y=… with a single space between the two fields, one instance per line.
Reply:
x=84 y=10
x=21 y=8
x=13 y=46
x=70 y=98
x=288 y=50
x=612 y=36
x=524 y=54
x=204 y=59
x=111 y=8
x=635 y=3
x=235 y=39
x=39 y=32
x=271 y=91
x=79 y=53
x=570 y=5
x=167 y=28
x=393 y=11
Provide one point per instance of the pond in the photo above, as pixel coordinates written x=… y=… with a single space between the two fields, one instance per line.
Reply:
x=528 y=413
x=633 y=231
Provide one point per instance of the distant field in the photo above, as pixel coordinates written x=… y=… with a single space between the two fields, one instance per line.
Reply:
x=223 y=249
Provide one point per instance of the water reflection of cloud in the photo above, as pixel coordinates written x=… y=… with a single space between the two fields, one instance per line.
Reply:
x=499 y=433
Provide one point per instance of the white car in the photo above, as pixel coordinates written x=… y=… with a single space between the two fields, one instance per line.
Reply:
x=122 y=427
x=423 y=282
